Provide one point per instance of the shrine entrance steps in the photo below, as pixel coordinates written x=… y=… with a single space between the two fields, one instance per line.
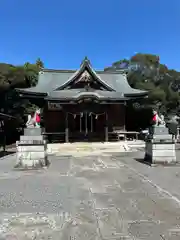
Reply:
x=87 y=148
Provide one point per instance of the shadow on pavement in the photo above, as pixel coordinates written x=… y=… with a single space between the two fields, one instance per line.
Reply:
x=6 y=153
x=141 y=160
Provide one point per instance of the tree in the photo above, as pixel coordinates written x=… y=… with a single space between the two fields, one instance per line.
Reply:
x=31 y=74
x=12 y=77
x=147 y=73
x=39 y=63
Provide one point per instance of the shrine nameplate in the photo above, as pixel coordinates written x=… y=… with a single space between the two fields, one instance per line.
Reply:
x=54 y=106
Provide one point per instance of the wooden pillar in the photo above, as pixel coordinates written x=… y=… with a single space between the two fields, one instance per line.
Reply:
x=124 y=110
x=80 y=122
x=4 y=135
x=66 y=129
x=43 y=113
x=91 y=117
x=106 y=128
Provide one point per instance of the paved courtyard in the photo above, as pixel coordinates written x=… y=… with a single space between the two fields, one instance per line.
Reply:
x=99 y=197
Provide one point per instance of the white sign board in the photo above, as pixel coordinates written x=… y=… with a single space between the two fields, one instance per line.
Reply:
x=54 y=106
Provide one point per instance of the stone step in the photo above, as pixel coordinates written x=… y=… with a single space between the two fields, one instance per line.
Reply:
x=31 y=138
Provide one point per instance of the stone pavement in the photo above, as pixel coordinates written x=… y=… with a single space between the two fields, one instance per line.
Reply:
x=95 y=197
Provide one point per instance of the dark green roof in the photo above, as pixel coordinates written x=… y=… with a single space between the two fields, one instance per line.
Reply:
x=53 y=83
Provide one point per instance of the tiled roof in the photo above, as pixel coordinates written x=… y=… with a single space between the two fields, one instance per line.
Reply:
x=56 y=80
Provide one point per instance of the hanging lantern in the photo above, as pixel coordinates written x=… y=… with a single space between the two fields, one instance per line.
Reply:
x=90 y=114
x=96 y=116
x=74 y=116
x=81 y=114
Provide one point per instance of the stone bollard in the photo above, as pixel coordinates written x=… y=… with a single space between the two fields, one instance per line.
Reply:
x=160 y=147
x=31 y=150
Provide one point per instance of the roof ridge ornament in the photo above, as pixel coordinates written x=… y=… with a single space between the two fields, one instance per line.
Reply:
x=86 y=61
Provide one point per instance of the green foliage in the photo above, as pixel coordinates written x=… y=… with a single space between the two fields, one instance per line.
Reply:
x=31 y=73
x=39 y=63
x=147 y=73
x=12 y=77
x=147 y=59
x=116 y=64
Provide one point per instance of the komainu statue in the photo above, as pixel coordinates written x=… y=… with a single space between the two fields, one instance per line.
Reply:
x=34 y=119
x=158 y=120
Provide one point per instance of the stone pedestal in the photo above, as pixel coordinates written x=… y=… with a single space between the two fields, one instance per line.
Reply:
x=32 y=149
x=33 y=131
x=160 y=148
x=160 y=153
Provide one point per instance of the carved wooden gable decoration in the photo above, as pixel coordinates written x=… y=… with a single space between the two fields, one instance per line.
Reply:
x=86 y=81
x=84 y=78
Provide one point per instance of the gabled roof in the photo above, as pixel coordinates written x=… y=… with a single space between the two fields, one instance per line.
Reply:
x=85 y=66
x=51 y=81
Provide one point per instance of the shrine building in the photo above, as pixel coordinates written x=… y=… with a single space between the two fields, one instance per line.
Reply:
x=82 y=104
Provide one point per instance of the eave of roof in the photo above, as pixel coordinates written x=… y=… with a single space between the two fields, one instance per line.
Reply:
x=136 y=94
x=31 y=91
x=6 y=116
x=75 y=95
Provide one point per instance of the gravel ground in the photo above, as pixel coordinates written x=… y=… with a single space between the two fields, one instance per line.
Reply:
x=106 y=197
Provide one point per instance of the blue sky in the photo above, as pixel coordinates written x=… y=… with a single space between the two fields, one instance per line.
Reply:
x=62 y=32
